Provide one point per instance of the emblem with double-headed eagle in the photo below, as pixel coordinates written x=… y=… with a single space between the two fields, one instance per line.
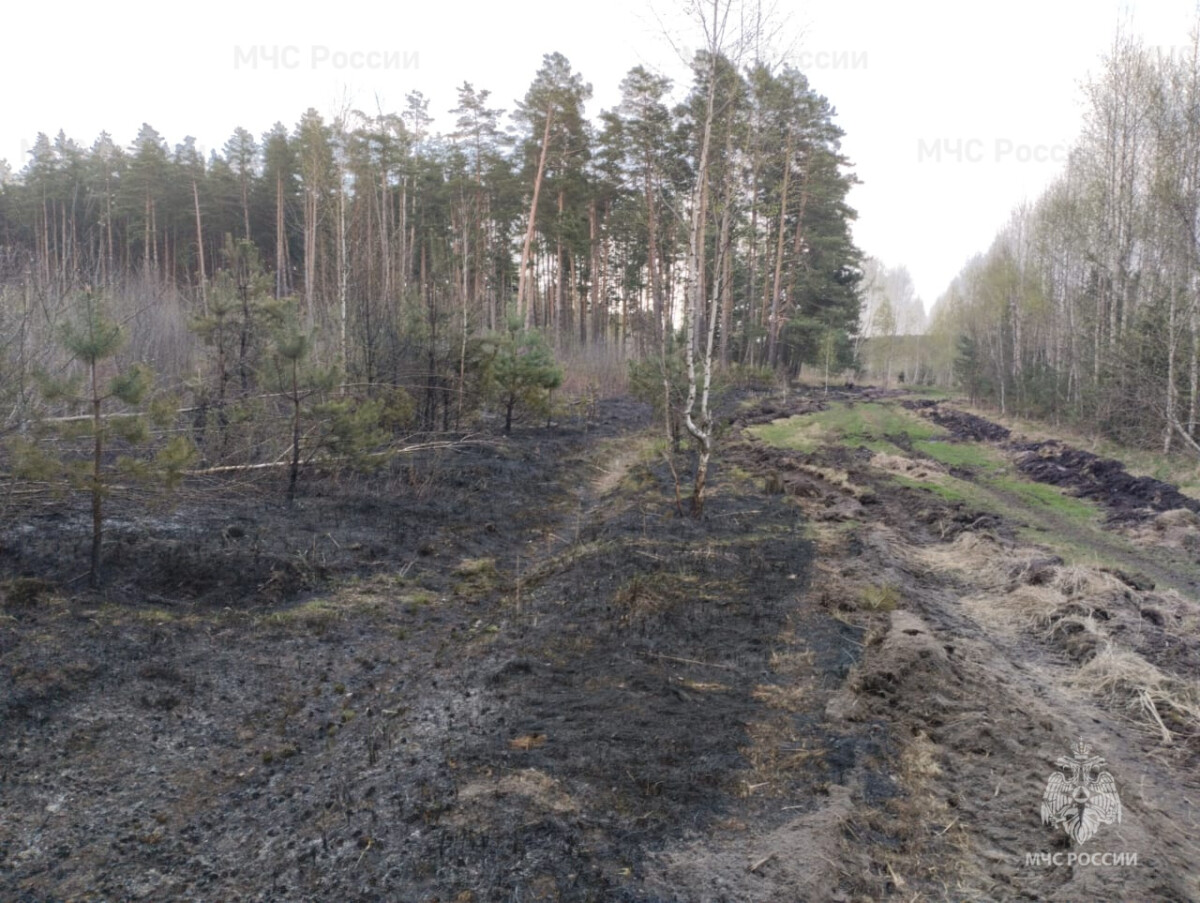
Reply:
x=1082 y=796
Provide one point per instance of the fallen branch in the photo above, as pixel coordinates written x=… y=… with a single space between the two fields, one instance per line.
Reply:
x=231 y=468
x=407 y=449
x=691 y=661
x=1183 y=433
x=756 y=866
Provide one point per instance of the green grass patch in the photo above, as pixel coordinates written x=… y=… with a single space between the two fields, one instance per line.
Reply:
x=949 y=489
x=317 y=615
x=1002 y=491
x=417 y=598
x=961 y=454
x=852 y=425
x=478 y=577
x=476 y=567
x=1072 y=527
x=884 y=597
x=1043 y=497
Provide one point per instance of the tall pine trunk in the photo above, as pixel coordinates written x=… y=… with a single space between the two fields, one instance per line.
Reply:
x=200 y=250
x=526 y=307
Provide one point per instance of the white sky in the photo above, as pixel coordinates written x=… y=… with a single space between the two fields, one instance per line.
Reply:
x=947 y=106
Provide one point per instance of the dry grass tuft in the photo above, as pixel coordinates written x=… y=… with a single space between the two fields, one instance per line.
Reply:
x=1176 y=517
x=1178 y=528
x=533 y=787
x=775 y=754
x=793 y=664
x=317 y=615
x=527 y=742
x=1076 y=580
x=1025 y=608
x=776 y=696
x=643 y=595
x=1060 y=603
x=476 y=567
x=979 y=557
x=879 y=597
x=477 y=577
x=1124 y=678
x=918 y=761
x=1080 y=608
x=909 y=467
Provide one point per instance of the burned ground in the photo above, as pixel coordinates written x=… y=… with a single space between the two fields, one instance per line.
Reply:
x=479 y=678
x=964 y=426
x=1128 y=497
x=512 y=671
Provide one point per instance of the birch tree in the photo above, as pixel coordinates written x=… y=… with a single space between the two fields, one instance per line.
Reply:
x=701 y=311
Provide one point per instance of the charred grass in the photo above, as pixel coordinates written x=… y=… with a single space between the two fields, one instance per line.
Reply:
x=510 y=672
x=516 y=672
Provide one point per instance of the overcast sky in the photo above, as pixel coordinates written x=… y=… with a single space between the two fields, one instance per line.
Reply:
x=954 y=112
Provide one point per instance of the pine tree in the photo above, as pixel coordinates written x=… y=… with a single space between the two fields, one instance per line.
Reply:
x=93 y=339
x=346 y=430
x=518 y=368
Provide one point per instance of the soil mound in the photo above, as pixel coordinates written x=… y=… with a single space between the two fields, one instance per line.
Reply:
x=1105 y=480
x=962 y=426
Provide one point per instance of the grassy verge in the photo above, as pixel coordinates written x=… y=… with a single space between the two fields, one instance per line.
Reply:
x=1180 y=468
x=1102 y=624
x=915 y=453
x=854 y=425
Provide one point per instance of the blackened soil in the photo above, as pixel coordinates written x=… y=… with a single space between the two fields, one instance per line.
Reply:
x=510 y=670
x=1105 y=480
x=1129 y=498
x=476 y=677
x=629 y=679
x=963 y=426
x=235 y=543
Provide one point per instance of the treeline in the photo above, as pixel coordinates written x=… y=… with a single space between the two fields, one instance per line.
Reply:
x=889 y=346
x=396 y=247
x=1087 y=305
